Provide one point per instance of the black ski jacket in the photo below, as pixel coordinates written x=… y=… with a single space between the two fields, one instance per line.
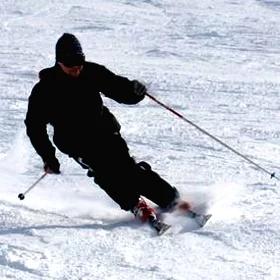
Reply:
x=74 y=107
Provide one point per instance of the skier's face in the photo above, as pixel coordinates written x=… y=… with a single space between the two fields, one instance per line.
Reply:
x=73 y=71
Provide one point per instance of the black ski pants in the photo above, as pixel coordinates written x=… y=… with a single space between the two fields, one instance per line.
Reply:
x=124 y=180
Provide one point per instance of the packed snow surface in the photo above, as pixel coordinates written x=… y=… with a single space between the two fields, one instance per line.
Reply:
x=215 y=62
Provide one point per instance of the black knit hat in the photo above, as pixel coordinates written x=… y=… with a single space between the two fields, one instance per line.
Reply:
x=69 y=51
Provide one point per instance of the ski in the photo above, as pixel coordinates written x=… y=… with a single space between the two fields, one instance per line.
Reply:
x=159 y=226
x=200 y=219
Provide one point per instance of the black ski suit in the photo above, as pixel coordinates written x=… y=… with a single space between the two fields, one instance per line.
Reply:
x=85 y=130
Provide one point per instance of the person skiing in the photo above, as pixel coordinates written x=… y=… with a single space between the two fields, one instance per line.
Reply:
x=68 y=97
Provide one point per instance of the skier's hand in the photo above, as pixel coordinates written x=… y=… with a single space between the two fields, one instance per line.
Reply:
x=52 y=166
x=139 y=89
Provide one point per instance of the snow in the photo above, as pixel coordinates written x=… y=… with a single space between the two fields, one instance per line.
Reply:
x=217 y=63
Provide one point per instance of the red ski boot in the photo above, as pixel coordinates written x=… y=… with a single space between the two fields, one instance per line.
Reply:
x=144 y=212
x=147 y=214
x=184 y=207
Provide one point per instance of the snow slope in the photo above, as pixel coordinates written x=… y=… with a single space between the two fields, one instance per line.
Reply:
x=217 y=62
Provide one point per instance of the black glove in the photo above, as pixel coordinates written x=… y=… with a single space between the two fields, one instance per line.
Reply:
x=52 y=166
x=139 y=89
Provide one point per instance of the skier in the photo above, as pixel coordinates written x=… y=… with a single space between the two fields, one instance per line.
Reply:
x=67 y=96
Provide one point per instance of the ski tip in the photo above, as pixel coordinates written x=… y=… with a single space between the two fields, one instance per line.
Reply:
x=163 y=229
x=159 y=226
x=202 y=219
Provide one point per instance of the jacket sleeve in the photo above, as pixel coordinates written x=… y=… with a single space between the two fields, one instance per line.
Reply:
x=36 y=124
x=117 y=87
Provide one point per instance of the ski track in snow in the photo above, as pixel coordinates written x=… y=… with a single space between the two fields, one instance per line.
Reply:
x=216 y=62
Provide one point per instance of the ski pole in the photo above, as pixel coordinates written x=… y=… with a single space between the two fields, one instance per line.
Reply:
x=21 y=196
x=272 y=174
